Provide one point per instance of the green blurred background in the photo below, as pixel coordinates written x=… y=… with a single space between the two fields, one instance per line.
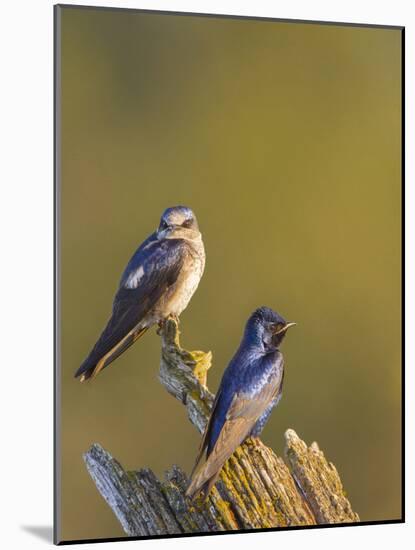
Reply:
x=285 y=139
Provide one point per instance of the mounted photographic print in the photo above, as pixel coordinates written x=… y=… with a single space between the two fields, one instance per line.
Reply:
x=229 y=197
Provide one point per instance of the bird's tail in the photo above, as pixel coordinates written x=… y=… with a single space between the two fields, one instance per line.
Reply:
x=202 y=482
x=91 y=367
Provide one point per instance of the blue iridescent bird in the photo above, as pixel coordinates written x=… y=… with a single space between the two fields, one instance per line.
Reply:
x=158 y=282
x=250 y=388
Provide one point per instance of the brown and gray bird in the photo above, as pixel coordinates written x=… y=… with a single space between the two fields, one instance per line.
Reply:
x=251 y=387
x=158 y=282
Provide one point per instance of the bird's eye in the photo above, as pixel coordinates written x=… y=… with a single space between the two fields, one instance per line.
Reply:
x=163 y=225
x=187 y=223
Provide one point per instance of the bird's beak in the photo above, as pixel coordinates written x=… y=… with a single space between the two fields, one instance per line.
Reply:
x=284 y=328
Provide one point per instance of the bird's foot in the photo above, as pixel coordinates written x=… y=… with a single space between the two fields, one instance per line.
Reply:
x=160 y=327
x=175 y=318
x=254 y=440
x=162 y=323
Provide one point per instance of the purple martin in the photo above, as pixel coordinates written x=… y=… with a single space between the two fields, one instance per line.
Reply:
x=250 y=388
x=157 y=283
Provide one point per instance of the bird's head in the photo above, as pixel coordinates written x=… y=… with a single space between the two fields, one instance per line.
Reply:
x=266 y=328
x=178 y=222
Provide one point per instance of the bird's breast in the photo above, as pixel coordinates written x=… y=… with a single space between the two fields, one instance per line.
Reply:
x=260 y=371
x=187 y=282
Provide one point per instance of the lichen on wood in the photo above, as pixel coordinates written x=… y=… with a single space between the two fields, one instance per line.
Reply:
x=256 y=488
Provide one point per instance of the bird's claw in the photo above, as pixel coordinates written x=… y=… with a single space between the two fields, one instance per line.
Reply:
x=175 y=319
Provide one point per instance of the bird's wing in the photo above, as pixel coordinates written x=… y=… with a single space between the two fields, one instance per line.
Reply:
x=206 y=434
x=242 y=414
x=150 y=273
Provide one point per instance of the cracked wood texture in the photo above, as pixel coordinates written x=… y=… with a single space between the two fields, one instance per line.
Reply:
x=256 y=488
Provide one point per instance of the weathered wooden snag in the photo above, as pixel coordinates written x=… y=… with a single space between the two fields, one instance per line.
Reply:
x=256 y=489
